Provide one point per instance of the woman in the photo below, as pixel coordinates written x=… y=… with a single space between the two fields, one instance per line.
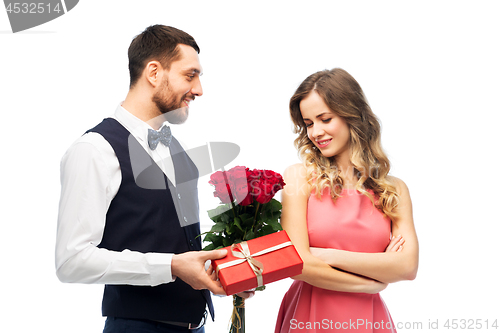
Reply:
x=351 y=223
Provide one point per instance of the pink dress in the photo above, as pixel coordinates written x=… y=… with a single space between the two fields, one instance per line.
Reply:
x=352 y=224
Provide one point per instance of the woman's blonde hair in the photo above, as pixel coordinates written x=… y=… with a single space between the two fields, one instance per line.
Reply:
x=345 y=98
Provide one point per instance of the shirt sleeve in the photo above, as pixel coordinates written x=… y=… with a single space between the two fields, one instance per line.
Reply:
x=90 y=178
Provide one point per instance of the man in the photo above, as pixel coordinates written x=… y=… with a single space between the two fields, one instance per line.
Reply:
x=128 y=214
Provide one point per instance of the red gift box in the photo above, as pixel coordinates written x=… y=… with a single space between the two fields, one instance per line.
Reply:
x=258 y=262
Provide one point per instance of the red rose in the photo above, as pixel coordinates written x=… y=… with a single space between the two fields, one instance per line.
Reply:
x=241 y=192
x=245 y=185
x=222 y=190
x=217 y=178
x=237 y=173
x=265 y=184
x=239 y=185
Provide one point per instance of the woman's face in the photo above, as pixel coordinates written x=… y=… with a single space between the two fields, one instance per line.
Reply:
x=325 y=129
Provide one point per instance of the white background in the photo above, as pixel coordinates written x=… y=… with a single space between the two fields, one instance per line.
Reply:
x=430 y=70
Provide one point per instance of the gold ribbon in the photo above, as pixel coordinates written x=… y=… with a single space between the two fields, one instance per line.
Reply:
x=242 y=251
x=236 y=320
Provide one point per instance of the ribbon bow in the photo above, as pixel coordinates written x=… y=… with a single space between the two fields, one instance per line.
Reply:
x=164 y=135
x=242 y=251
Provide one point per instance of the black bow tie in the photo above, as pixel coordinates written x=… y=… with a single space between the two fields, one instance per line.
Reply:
x=164 y=135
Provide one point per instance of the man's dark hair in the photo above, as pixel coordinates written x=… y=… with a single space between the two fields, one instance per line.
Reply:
x=157 y=42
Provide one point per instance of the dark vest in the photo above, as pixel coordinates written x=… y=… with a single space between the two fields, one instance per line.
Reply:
x=144 y=217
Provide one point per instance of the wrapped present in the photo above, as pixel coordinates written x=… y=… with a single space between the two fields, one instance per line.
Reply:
x=258 y=262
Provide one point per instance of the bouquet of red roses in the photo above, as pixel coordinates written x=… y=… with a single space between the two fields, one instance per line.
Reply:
x=248 y=211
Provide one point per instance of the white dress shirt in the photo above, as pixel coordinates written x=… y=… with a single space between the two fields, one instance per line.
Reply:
x=90 y=179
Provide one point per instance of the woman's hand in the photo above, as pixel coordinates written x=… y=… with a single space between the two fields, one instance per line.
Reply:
x=396 y=244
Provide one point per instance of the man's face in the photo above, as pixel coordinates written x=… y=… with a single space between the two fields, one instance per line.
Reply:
x=180 y=85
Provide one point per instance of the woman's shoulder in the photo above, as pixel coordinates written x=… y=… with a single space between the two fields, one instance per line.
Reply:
x=296 y=177
x=400 y=185
x=296 y=169
x=296 y=172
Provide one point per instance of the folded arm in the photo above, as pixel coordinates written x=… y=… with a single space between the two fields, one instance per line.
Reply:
x=293 y=219
x=398 y=262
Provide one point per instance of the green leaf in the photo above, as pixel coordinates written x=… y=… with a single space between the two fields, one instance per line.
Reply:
x=249 y=235
x=246 y=216
x=266 y=230
x=215 y=214
x=247 y=220
x=268 y=215
x=202 y=234
x=237 y=223
x=209 y=237
x=211 y=212
x=218 y=227
x=225 y=217
x=213 y=238
x=275 y=225
x=274 y=205
x=226 y=242
x=209 y=247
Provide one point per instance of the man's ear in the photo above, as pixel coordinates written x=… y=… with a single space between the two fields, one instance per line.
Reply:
x=153 y=73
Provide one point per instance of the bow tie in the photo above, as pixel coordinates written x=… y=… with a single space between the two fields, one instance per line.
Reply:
x=164 y=135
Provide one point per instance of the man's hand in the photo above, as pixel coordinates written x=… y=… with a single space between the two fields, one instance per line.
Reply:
x=247 y=294
x=244 y=294
x=190 y=268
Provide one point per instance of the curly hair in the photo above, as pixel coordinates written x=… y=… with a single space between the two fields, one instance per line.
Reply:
x=344 y=96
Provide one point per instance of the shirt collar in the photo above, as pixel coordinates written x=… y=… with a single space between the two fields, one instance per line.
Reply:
x=134 y=125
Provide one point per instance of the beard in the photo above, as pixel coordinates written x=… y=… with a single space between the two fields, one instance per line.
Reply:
x=173 y=110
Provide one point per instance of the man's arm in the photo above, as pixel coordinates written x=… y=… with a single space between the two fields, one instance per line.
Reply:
x=90 y=178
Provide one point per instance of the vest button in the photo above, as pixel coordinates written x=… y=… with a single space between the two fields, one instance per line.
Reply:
x=191 y=243
x=179 y=196
x=185 y=219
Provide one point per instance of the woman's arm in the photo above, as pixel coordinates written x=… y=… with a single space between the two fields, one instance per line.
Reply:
x=399 y=262
x=293 y=219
